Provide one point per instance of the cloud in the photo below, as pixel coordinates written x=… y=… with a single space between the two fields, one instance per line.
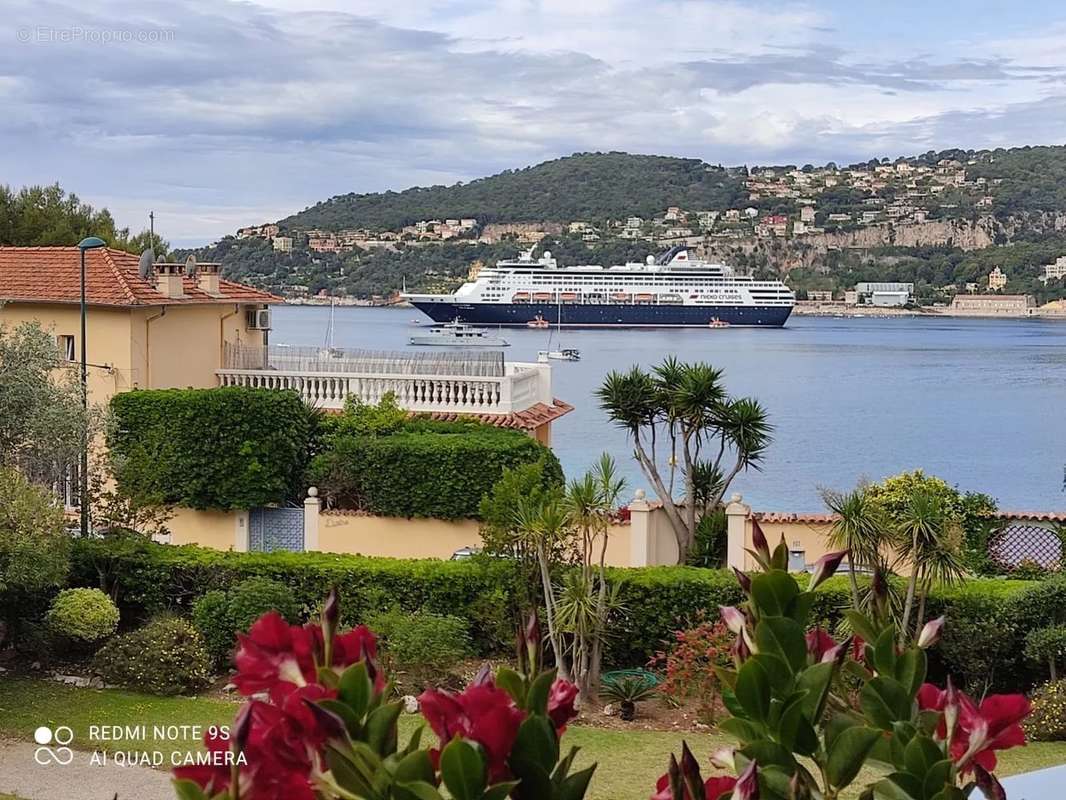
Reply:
x=217 y=114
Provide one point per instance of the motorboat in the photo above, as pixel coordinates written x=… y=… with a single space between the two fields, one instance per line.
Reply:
x=457 y=334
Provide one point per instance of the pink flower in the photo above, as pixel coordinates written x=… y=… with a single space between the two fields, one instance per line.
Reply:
x=713 y=788
x=982 y=729
x=819 y=643
x=561 y=704
x=483 y=714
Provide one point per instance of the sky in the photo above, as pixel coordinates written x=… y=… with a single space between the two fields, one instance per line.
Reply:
x=218 y=114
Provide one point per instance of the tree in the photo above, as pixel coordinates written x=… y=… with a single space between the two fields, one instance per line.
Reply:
x=685 y=426
x=34 y=547
x=41 y=416
x=860 y=528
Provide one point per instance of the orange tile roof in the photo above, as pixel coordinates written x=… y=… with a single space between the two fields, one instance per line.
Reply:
x=782 y=517
x=112 y=278
x=532 y=418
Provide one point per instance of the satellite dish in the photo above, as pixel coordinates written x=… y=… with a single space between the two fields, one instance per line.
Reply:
x=147 y=260
x=191 y=267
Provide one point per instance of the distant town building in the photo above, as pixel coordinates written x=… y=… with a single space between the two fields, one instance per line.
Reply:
x=1055 y=270
x=262 y=231
x=997 y=279
x=807 y=214
x=885 y=295
x=819 y=296
x=993 y=305
x=283 y=244
x=851 y=297
x=634 y=222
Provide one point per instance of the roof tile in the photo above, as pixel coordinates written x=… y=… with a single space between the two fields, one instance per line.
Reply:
x=112 y=278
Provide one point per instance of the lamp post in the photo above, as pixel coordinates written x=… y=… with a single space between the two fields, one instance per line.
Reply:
x=88 y=243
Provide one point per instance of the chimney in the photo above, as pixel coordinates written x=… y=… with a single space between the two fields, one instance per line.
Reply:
x=169 y=278
x=207 y=276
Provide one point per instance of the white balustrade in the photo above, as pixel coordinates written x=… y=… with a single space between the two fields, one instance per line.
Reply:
x=522 y=386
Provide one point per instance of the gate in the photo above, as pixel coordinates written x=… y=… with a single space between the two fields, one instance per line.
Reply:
x=1019 y=542
x=275 y=529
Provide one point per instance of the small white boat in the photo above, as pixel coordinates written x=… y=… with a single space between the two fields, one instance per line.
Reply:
x=566 y=354
x=457 y=334
x=538 y=322
x=717 y=323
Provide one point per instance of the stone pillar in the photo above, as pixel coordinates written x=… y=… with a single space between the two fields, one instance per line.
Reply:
x=737 y=515
x=241 y=534
x=641 y=542
x=312 y=507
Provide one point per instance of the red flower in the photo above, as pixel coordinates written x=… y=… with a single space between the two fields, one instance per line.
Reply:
x=993 y=725
x=819 y=643
x=279 y=658
x=713 y=788
x=483 y=714
x=561 y=704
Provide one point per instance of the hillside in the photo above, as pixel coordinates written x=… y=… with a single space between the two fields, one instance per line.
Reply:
x=585 y=186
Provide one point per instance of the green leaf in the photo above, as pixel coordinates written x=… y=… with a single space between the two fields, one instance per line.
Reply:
x=355 y=778
x=415 y=767
x=768 y=753
x=537 y=701
x=416 y=790
x=779 y=558
x=536 y=744
x=773 y=592
x=575 y=786
x=889 y=789
x=344 y=711
x=793 y=728
x=741 y=729
x=911 y=669
x=187 y=790
x=776 y=670
x=920 y=755
x=800 y=608
x=498 y=791
x=782 y=637
x=885 y=701
x=817 y=681
x=837 y=724
x=381 y=733
x=512 y=683
x=861 y=624
x=753 y=690
x=463 y=770
x=356 y=689
x=729 y=700
x=848 y=754
x=885 y=652
x=939 y=776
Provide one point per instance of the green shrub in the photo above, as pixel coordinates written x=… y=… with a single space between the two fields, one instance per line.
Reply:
x=210 y=615
x=1047 y=720
x=82 y=615
x=253 y=597
x=422 y=471
x=255 y=455
x=709 y=549
x=426 y=646
x=167 y=657
x=34 y=547
x=220 y=616
x=1047 y=647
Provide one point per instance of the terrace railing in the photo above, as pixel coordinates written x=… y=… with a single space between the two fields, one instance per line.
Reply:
x=454 y=382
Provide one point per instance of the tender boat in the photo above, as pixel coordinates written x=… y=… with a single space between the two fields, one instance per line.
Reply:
x=538 y=322
x=717 y=323
x=566 y=354
x=457 y=334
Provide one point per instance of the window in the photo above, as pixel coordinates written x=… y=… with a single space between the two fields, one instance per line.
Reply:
x=66 y=347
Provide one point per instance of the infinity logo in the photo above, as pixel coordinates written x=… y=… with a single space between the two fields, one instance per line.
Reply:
x=45 y=755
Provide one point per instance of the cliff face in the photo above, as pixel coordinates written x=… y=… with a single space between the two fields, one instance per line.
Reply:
x=962 y=234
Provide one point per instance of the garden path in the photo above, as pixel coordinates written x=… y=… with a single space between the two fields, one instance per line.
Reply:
x=23 y=777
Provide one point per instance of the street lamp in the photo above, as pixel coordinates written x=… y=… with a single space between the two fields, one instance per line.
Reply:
x=88 y=243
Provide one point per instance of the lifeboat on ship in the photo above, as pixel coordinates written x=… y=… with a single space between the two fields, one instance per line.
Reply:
x=620 y=297
x=643 y=298
x=568 y=297
x=671 y=299
x=520 y=297
x=543 y=297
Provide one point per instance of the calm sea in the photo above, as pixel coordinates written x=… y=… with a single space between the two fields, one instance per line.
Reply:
x=982 y=403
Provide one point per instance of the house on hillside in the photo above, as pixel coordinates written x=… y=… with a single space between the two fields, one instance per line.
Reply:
x=173 y=329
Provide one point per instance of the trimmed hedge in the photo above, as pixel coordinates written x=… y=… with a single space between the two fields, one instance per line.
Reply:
x=983 y=643
x=223 y=448
x=425 y=469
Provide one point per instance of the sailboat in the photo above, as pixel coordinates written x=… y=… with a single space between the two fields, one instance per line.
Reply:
x=563 y=353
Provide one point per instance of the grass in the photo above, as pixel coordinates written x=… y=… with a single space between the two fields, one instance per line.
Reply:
x=629 y=761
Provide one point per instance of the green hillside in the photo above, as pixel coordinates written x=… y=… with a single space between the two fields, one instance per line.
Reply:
x=589 y=186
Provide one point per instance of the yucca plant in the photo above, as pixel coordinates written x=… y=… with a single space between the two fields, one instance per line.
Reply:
x=627 y=690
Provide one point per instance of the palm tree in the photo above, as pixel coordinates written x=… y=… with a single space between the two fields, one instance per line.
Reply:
x=860 y=528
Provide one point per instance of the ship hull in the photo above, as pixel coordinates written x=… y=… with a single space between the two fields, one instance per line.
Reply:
x=605 y=316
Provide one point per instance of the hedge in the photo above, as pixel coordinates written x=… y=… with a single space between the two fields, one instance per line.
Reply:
x=224 y=448
x=424 y=470
x=983 y=642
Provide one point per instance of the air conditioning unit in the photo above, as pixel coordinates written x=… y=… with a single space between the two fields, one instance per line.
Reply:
x=259 y=319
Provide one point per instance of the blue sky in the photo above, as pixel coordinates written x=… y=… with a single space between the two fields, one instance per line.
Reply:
x=217 y=114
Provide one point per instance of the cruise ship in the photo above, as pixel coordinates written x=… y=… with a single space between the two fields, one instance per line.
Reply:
x=672 y=290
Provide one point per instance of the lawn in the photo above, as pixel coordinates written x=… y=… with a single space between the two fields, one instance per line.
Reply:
x=629 y=761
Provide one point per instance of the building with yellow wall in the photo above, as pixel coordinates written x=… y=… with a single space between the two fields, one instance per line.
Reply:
x=167 y=329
